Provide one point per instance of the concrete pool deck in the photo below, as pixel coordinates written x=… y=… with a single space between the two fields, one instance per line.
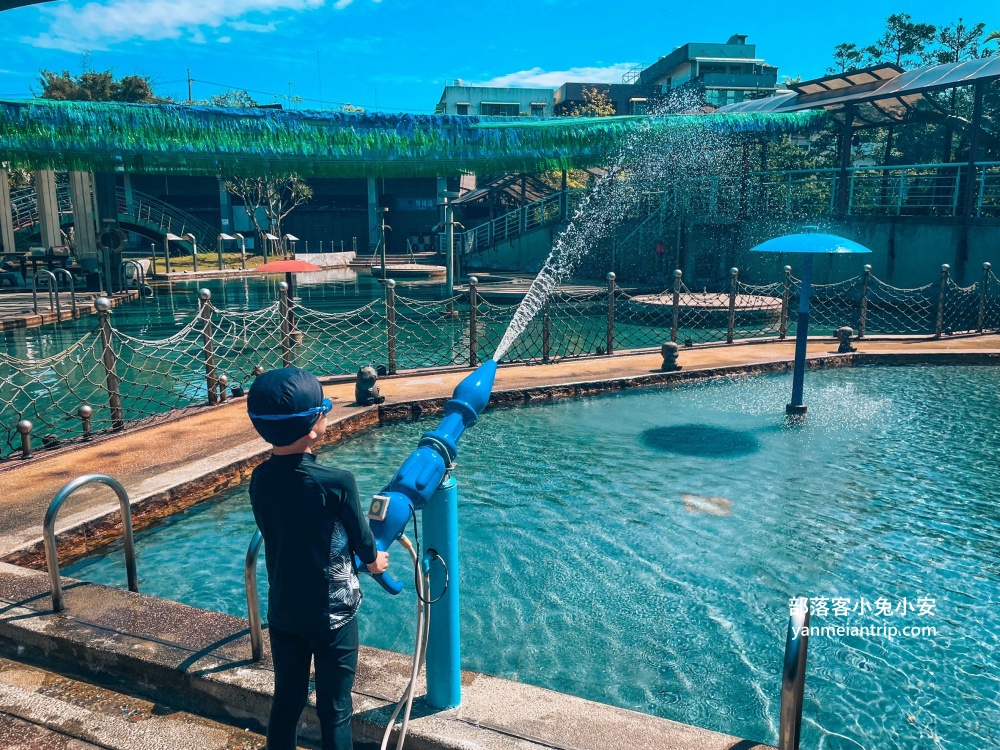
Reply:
x=170 y=465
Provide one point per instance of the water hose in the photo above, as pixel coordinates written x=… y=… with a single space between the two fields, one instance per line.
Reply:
x=421 y=576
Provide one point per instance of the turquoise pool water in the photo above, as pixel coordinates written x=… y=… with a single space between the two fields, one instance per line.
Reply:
x=640 y=549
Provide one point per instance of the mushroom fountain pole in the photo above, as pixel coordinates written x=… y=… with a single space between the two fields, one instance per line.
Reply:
x=808 y=244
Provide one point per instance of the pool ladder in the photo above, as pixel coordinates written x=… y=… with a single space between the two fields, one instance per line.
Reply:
x=49 y=533
x=253 y=599
x=793 y=679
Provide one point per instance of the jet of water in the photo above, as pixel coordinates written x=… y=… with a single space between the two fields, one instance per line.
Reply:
x=691 y=145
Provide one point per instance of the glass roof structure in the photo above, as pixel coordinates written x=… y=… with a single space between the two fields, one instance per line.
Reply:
x=878 y=95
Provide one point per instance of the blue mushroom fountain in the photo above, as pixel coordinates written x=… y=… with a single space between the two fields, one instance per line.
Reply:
x=809 y=243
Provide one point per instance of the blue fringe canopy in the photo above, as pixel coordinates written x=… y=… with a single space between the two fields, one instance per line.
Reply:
x=172 y=138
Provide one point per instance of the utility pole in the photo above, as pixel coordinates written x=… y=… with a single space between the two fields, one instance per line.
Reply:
x=190 y=81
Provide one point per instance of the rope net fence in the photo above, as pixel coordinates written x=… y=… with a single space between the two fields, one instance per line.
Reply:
x=127 y=380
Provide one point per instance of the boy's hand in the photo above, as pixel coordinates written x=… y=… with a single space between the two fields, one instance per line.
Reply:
x=380 y=565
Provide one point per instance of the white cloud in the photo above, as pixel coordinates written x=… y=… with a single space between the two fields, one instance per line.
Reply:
x=247 y=26
x=100 y=22
x=548 y=79
x=341 y=4
x=224 y=39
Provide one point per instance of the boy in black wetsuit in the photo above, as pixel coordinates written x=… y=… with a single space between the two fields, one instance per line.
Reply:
x=312 y=523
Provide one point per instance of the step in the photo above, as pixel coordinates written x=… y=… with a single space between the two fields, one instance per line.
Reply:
x=42 y=709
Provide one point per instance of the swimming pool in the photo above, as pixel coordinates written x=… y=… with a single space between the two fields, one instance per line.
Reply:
x=640 y=549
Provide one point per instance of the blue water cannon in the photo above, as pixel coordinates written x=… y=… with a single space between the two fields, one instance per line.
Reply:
x=421 y=474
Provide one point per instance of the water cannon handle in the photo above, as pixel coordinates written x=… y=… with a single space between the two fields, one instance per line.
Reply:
x=385 y=580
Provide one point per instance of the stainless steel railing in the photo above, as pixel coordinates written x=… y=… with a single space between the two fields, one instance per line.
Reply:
x=793 y=679
x=53 y=286
x=49 y=533
x=253 y=598
x=72 y=288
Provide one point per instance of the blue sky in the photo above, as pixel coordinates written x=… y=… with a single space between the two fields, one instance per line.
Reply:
x=397 y=54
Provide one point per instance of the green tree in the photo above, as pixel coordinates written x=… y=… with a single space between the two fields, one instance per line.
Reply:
x=596 y=103
x=234 y=98
x=278 y=196
x=958 y=42
x=902 y=42
x=993 y=36
x=96 y=86
x=846 y=56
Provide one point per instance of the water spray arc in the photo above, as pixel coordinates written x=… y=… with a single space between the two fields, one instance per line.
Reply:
x=423 y=483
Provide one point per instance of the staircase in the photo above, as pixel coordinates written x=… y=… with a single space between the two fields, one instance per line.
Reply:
x=542 y=213
x=135 y=210
x=158 y=217
x=43 y=709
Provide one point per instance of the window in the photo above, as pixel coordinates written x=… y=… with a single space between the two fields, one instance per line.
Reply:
x=500 y=109
x=637 y=106
x=462 y=108
x=538 y=109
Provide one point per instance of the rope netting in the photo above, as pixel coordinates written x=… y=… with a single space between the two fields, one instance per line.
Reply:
x=337 y=343
x=831 y=306
x=49 y=391
x=126 y=379
x=961 y=308
x=991 y=302
x=578 y=325
x=757 y=310
x=432 y=333
x=891 y=310
x=492 y=321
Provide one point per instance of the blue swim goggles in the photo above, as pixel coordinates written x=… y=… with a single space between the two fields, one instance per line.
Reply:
x=323 y=408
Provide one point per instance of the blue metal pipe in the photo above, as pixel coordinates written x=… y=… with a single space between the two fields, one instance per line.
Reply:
x=422 y=473
x=801 y=339
x=444 y=663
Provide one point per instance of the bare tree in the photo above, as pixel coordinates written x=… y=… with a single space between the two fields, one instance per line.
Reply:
x=278 y=196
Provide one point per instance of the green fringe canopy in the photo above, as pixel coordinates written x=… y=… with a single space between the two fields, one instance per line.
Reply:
x=171 y=138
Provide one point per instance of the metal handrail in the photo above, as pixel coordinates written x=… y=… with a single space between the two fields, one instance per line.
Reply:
x=49 y=533
x=72 y=288
x=162 y=216
x=793 y=679
x=253 y=598
x=140 y=276
x=53 y=287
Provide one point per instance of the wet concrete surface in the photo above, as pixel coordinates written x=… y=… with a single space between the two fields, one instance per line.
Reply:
x=44 y=709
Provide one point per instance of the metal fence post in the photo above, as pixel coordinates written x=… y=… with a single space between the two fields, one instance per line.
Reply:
x=152 y=259
x=390 y=318
x=863 y=312
x=939 y=325
x=611 y=313
x=734 y=274
x=678 y=274
x=546 y=331
x=208 y=345
x=194 y=251
x=983 y=289
x=473 y=303
x=110 y=362
x=284 y=310
x=785 y=294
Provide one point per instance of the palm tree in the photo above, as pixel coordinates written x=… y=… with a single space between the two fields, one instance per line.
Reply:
x=993 y=36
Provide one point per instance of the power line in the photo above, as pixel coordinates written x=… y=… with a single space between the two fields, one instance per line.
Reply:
x=301 y=98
